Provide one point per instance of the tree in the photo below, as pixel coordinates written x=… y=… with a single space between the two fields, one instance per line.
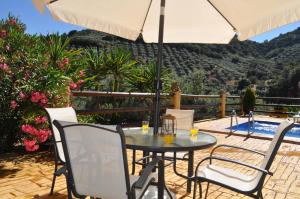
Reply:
x=243 y=83
x=193 y=83
x=95 y=69
x=118 y=63
x=143 y=78
x=287 y=84
x=248 y=100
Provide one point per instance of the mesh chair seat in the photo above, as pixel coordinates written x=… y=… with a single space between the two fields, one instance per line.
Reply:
x=182 y=155
x=227 y=177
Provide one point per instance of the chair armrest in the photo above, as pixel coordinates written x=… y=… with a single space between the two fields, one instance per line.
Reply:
x=139 y=184
x=236 y=147
x=235 y=162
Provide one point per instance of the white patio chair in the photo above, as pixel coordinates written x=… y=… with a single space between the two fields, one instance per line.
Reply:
x=96 y=161
x=234 y=180
x=184 y=121
x=65 y=114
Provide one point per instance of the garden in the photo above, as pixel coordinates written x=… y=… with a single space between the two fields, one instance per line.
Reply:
x=39 y=71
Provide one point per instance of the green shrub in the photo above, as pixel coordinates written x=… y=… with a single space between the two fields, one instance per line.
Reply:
x=248 y=100
x=35 y=72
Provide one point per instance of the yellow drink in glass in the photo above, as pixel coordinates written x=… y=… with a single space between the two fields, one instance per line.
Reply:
x=194 y=131
x=145 y=125
x=168 y=138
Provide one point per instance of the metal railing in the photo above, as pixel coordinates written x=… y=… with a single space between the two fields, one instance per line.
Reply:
x=206 y=106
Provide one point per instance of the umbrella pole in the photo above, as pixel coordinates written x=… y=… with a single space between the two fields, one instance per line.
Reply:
x=158 y=66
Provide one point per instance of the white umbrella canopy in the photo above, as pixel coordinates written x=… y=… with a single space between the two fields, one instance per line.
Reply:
x=186 y=21
x=175 y=21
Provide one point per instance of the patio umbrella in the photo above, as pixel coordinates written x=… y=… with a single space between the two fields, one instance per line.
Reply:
x=175 y=21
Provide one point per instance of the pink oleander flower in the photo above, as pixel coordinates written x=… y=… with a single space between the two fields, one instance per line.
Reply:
x=79 y=82
x=3 y=34
x=66 y=60
x=7 y=47
x=22 y=95
x=35 y=97
x=30 y=145
x=73 y=86
x=5 y=68
x=81 y=73
x=39 y=97
x=40 y=120
x=60 y=65
x=13 y=104
x=43 y=135
x=27 y=128
x=43 y=102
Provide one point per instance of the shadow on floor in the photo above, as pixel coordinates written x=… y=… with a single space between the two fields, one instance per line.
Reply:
x=44 y=157
x=6 y=172
x=54 y=196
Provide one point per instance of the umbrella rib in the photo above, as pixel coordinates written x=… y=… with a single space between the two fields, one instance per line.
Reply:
x=145 y=16
x=222 y=15
x=52 y=1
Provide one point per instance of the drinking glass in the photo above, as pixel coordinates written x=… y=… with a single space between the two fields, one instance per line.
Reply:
x=145 y=125
x=193 y=131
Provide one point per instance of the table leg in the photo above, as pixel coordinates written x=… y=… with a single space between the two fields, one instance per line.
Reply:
x=190 y=171
x=161 y=177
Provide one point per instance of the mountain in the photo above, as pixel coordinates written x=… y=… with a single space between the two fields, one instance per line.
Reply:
x=224 y=66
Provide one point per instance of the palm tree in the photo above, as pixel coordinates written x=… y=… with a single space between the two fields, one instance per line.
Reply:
x=143 y=78
x=118 y=63
x=96 y=71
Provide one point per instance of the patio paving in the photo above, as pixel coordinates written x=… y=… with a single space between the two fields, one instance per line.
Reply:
x=29 y=176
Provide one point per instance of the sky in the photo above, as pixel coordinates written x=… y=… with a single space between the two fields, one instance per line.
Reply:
x=37 y=23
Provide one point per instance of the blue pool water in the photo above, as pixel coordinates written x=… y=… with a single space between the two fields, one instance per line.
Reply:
x=264 y=127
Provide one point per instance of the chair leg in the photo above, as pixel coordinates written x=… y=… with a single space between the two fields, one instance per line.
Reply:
x=133 y=162
x=195 y=188
x=53 y=179
x=206 y=190
x=200 y=189
x=68 y=188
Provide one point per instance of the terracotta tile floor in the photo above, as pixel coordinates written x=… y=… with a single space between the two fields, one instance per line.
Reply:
x=29 y=176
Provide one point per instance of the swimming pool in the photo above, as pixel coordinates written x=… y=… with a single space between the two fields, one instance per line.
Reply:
x=265 y=127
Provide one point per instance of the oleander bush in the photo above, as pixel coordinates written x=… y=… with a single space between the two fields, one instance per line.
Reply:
x=35 y=72
x=40 y=71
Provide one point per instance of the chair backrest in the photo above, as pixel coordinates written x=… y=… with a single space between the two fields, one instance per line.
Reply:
x=184 y=118
x=276 y=142
x=96 y=160
x=271 y=152
x=65 y=114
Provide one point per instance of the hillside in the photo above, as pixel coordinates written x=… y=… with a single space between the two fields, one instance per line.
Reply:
x=224 y=66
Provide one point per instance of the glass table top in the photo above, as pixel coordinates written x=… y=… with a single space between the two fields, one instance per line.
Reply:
x=137 y=138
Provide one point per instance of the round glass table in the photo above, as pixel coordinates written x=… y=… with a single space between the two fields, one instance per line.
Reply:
x=145 y=140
